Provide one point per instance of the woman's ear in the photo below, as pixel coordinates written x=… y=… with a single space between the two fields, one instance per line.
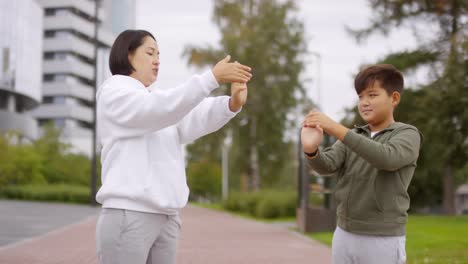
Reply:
x=130 y=58
x=396 y=97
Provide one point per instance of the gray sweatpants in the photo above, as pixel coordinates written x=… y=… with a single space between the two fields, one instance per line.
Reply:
x=349 y=248
x=124 y=236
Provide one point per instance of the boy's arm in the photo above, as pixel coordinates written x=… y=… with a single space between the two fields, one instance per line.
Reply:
x=401 y=150
x=330 y=160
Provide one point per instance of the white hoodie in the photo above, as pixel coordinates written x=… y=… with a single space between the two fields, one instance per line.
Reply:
x=142 y=132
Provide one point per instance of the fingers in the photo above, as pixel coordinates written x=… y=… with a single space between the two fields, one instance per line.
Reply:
x=241 y=78
x=241 y=70
x=238 y=87
x=244 y=74
x=227 y=58
x=232 y=71
x=310 y=122
x=244 y=67
x=319 y=128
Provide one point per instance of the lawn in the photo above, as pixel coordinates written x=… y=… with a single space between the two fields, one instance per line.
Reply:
x=430 y=239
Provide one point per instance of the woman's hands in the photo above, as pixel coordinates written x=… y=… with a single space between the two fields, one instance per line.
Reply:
x=229 y=72
x=238 y=96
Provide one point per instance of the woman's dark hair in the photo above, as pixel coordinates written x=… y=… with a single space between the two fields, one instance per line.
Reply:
x=386 y=74
x=126 y=43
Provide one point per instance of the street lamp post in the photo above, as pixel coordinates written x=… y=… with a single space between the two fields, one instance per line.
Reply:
x=318 y=78
x=93 y=182
x=225 y=164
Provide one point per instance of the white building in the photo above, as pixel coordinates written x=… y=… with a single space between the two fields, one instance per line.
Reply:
x=68 y=68
x=21 y=65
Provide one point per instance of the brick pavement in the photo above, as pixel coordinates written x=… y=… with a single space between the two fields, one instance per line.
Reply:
x=207 y=237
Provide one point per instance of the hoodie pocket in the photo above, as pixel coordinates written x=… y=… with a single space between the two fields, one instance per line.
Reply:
x=363 y=202
x=391 y=195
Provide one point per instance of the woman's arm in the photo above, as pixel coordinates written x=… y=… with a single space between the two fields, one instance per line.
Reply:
x=143 y=111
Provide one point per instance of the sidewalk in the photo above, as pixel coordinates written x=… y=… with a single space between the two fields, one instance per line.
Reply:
x=207 y=237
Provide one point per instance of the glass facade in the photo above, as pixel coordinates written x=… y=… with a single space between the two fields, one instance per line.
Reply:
x=21 y=46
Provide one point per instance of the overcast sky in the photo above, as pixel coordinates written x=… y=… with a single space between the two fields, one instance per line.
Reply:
x=177 y=23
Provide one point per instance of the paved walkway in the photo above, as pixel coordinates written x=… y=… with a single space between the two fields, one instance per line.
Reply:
x=207 y=237
x=21 y=220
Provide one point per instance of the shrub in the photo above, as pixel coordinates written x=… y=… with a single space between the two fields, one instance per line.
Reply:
x=59 y=193
x=204 y=180
x=263 y=204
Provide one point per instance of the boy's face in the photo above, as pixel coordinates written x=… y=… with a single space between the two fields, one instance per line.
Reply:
x=376 y=105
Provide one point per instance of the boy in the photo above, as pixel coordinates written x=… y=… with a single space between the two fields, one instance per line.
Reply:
x=374 y=164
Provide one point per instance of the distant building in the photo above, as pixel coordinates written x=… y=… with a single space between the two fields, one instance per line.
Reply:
x=20 y=65
x=461 y=199
x=121 y=15
x=68 y=75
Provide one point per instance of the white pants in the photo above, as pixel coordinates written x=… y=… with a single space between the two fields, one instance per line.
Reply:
x=124 y=237
x=349 y=248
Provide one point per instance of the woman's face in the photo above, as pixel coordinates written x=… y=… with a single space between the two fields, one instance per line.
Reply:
x=145 y=61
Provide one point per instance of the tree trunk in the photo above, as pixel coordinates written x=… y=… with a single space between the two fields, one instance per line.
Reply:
x=448 y=201
x=254 y=174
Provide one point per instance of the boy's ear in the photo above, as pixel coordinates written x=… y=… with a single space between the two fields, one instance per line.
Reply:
x=395 y=98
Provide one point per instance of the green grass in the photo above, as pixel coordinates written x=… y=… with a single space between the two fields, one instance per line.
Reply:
x=430 y=239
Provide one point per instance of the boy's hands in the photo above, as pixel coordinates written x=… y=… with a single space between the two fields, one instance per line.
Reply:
x=238 y=96
x=227 y=72
x=311 y=137
x=316 y=118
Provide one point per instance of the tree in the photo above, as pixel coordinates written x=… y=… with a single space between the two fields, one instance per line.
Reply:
x=266 y=36
x=445 y=125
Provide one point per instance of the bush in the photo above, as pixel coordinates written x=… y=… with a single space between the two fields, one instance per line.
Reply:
x=269 y=207
x=19 y=164
x=59 y=193
x=204 y=179
x=47 y=160
x=263 y=204
x=232 y=202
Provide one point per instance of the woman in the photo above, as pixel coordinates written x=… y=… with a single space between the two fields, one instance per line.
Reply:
x=142 y=132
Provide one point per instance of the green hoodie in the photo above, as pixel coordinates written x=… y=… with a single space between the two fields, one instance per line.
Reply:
x=373 y=178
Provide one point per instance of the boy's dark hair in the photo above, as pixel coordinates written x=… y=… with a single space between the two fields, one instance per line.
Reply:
x=386 y=74
x=126 y=43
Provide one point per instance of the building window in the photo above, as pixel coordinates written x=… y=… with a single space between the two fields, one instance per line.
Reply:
x=4 y=101
x=6 y=59
x=63 y=34
x=63 y=12
x=48 y=77
x=49 y=56
x=47 y=100
x=59 y=122
x=59 y=99
x=49 y=12
x=60 y=77
x=43 y=122
x=49 y=34
x=60 y=56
